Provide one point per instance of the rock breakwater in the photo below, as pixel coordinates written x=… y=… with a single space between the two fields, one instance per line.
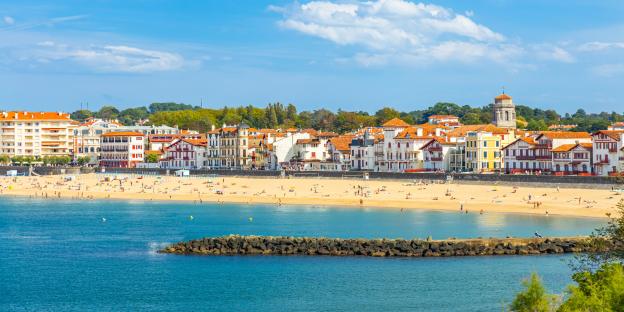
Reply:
x=280 y=245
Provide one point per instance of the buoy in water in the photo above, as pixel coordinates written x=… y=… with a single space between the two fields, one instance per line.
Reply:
x=190 y=217
x=103 y=219
x=250 y=219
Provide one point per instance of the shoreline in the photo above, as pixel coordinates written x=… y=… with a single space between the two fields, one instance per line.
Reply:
x=326 y=192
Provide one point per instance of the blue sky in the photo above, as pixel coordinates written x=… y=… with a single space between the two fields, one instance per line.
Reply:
x=352 y=55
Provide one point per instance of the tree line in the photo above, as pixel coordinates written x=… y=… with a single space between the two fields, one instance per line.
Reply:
x=276 y=115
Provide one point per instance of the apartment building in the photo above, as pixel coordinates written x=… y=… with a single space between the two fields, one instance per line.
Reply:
x=228 y=147
x=520 y=156
x=362 y=150
x=483 y=152
x=36 y=134
x=87 y=137
x=608 y=152
x=121 y=149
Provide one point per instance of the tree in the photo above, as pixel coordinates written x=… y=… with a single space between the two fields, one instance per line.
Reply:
x=168 y=107
x=83 y=160
x=608 y=241
x=151 y=158
x=107 y=112
x=534 y=298
x=81 y=115
x=537 y=125
x=386 y=114
x=130 y=116
x=4 y=159
x=599 y=291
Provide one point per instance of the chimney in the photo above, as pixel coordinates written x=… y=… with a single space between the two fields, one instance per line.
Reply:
x=212 y=127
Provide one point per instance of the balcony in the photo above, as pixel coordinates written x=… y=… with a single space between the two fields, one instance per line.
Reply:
x=436 y=158
x=525 y=157
x=602 y=161
x=435 y=149
x=543 y=157
x=613 y=150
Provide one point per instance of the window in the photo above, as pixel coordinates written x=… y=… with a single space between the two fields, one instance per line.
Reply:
x=484 y=143
x=484 y=154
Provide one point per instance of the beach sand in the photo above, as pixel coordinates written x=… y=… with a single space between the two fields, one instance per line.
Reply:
x=472 y=198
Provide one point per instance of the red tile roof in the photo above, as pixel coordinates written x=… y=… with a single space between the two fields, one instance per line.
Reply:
x=122 y=133
x=396 y=123
x=34 y=116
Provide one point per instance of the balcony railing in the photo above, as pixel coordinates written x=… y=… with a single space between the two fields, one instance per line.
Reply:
x=543 y=157
x=524 y=157
x=436 y=158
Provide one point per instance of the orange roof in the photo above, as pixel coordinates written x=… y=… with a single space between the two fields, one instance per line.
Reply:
x=529 y=140
x=342 y=143
x=122 y=133
x=265 y=130
x=396 y=122
x=441 y=140
x=196 y=142
x=463 y=130
x=34 y=116
x=564 y=135
x=306 y=141
x=503 y=97
x=569 y=147
x=614 y=134
x=326 y=134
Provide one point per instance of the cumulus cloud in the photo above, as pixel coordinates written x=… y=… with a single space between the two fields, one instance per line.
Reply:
x=107 y=58
x=397 y=30
x=8 y=20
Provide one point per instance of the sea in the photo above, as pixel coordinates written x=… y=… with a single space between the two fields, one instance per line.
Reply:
x=72 y=255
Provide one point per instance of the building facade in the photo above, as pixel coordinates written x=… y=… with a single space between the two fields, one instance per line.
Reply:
x=122 y=149
x=36 y=134
x=504 y=114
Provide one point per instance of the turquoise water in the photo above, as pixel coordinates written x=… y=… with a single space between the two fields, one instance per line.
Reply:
x=60 y=256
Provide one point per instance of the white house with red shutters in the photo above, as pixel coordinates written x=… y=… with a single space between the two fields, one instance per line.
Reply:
x=572 y=159
x=436 y=154
x=608 y=153
x=186 y=154
x=519 y=156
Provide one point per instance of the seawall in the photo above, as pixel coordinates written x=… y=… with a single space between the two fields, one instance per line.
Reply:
x=276 y=245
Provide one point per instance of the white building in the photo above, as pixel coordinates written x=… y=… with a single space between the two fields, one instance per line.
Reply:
x=519 y=156
x=36 y=134
x=548 y=140
x=402 y=152
x=87 y=137
x=436 y=154
x=283 y=150
x=122 y=149
x=608 y=154
x=363 y=151
x=387 y=161
x=186 y=154
x=572 y=159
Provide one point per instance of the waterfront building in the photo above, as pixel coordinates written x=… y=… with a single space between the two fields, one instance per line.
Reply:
x=186 y=153
x=549 y=140
x=483 y=152
x=228 y=147
x=36 y=134
x=159 y=142
x=87 y=137
x=339 y=150
x=519 y=156
x=283 y=150
x=436 y=154
x=572 y=159
x=405 y=154
x=362 y=150
x=385 y=161
x=608 y=152
x=121 y=149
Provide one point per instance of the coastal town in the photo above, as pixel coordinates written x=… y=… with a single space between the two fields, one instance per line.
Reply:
x=443 y=144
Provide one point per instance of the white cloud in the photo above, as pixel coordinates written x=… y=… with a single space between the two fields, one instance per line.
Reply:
x=548 y=52
x=608 y=70
x=596 y=46
x=8 y=20
x=391 y=30
x=107 y=58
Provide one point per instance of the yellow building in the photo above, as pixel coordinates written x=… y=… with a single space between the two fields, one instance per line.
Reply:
x=483 y=149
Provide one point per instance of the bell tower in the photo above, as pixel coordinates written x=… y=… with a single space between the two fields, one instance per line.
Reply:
x=504 y=114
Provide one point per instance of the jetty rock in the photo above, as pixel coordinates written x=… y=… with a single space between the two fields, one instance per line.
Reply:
x=320 y=246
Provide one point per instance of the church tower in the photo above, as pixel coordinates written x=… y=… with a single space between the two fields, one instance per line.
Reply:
x=504 y=112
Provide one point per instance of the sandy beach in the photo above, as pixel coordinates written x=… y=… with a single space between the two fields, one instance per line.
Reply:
x=467 y=198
